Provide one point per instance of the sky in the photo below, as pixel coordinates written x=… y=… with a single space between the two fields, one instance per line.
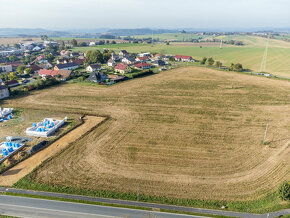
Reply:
x=84 y=14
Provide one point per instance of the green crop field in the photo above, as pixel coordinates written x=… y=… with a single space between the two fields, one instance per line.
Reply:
x=250 y=55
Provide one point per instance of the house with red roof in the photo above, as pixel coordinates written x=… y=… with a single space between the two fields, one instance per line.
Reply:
x=53 y=73
x=122 y=68
x=142 y=66
x=183 y=58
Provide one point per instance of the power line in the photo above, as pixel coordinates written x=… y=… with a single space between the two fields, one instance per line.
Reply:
x=264 y=60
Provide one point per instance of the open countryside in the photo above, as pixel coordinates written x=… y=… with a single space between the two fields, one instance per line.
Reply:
x=199 y=151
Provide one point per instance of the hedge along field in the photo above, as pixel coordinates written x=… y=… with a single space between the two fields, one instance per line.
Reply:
x=189 y=133
x=250 y=55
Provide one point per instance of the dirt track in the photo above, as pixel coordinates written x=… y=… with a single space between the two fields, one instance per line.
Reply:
x=25 y=167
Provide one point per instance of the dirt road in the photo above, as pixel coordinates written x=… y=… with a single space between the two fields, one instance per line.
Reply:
x=20 y=170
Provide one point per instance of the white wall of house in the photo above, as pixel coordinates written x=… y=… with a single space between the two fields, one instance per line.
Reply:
x=4 y=93
x=6 y=68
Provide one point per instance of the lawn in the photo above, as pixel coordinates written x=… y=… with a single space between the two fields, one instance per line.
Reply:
x=190 y=134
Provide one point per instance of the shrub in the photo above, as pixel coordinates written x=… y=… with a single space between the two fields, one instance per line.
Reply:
x=284 y=191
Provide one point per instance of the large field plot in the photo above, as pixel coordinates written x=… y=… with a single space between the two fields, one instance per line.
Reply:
x=250 y=55
x=185 y=133
x=11 y=41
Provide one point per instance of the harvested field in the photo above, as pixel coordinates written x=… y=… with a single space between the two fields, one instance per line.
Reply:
x=185 y=133
x=20 y=170
x=12 y=40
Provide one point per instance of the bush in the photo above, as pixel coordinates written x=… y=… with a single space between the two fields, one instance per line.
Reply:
x=284 y=191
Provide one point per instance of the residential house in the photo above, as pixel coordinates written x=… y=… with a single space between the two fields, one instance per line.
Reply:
x=122 y=68
x=147 y=54
x=182 y=58
x=65 y=74
x=115 y=57
x=97 y=77
x=142 y=59
x=34 y=67
x=159 y=63
x=111 y=63
x=123 y=53
x=6 y=68
x=67 y=66
x=128 y=60
x=142 y=66
x=92 y=44
x=62 y=60
x=74 y=54
x=79 y=61
x=12 y=83
x=117 y=78
x=93 y=67
x=4 y=92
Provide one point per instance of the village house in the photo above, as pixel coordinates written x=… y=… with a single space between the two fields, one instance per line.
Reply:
x=128 y=60
x=147 y=54
x=6 y=68
x=4 y=92
x=64 y=74
x=123 y=53
x=93 y=67
x=62 y=61
x=142 y=66
x=111 y=63
x=142 y=59
x=182 y=58
x=79 y=61
x=35 y=68
x=159 y=63
x=115 y=57
x=97 y=77
x=67 y=66
x=11 y=83
x=122 y=68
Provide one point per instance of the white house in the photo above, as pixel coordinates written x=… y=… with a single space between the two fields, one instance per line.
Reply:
x=111 y=63
x=128 y=60
x=93 y=67
x=4 y=92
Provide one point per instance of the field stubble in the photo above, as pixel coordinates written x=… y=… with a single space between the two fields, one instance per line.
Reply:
x=185 y=133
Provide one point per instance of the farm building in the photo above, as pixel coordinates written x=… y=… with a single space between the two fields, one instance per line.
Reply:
x=122 y=68
x=143 y=66
x=67 y=66
x=97 y=77
x=45 y=128
x=93 y=67
x=4 y=92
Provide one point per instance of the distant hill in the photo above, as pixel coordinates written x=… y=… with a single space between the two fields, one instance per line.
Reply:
x=144 y=31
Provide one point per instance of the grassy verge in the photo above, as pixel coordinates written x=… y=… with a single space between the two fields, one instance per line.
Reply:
x=110 y=205
x=269 y=203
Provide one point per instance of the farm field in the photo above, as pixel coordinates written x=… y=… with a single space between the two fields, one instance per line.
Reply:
x=190 y=133
x=250 y=55
x=12 y=40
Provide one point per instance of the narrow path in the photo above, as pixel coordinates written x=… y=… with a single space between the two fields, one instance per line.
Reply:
x=23 y=168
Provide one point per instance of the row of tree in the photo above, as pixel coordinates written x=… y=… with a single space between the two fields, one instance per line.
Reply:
x=211 y=62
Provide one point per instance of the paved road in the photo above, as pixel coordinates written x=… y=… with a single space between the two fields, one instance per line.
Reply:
x=144 y=204
x=32 y=207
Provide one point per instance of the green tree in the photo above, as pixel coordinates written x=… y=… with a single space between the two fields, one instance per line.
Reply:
x=74 y=42
x=61 y=45
x=210 y=61
x=21 y=69
x=17 y=46
x=12 y=76
x=49 y=57
x=218 y=64
x=29 y=71
x=171 y=58
x=167 y=43
x=203 y=61
x=284 y=191
x=13 y=58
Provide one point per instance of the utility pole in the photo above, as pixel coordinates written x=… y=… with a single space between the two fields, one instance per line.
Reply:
x=221 y=44
x=265 y=136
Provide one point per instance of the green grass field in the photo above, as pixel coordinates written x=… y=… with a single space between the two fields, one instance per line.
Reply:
x=249 y=56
